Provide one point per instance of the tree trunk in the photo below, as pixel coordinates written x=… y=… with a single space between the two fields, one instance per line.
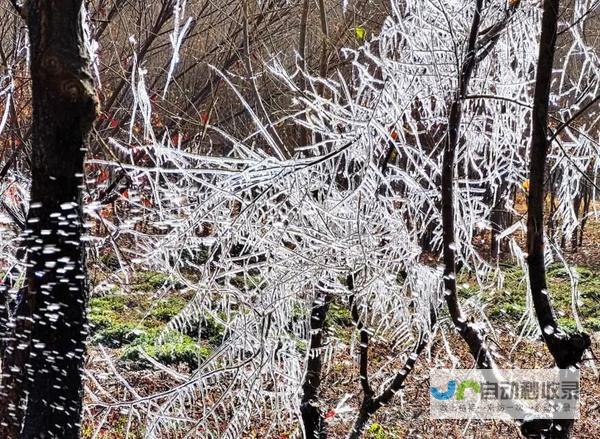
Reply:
x=500 y=219
x=468 y=332
x=567 y=350
x=587 y=198
x=42 y=380
x=312 y=418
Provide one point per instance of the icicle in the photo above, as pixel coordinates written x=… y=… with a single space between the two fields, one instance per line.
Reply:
x=177 y=36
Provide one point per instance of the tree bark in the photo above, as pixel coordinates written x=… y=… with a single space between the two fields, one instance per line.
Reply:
x=468 y=332
x=312 y=418
x=567 y=350
x=42 y=381
x=560 y=346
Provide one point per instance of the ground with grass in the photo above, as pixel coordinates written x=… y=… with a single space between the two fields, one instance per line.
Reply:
x=130 y=326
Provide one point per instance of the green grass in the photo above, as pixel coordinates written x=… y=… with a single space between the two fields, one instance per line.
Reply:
x=165 y=309
x=377 y=431
x=109 y=315
x=509 y=303
x=174 y=348
x=339 y=321
x=118 y=322
x=152 y=281
x=338 y=315
x=247 y=282
x=118 y=334
x=133 y=322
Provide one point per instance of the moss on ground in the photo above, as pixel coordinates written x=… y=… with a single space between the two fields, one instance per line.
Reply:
x=509 y=303
x=211 y=330
x=339 y=321
x=247 y=282
x=338 y=315
x=134 y=322
x=118 y=334
x=377 y=431
x=172 y=348
x=301 y=345
x=151 y=281
x=165 y=309
x=118 y=325
x=109 y=260
x=108 y=310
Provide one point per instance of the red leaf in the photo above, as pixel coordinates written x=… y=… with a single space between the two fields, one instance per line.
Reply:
x=103 y=176
x=106 y=212
x=178 y=137
x=330 y=414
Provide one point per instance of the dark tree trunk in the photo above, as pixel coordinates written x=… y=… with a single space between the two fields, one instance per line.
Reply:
x=500 y=218
x=312 y=418
x=567 y=350
x=468 y=332
x=42 y=380
x=587 y=199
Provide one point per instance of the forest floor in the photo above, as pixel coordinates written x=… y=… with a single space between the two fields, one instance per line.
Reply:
x=124 y=323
